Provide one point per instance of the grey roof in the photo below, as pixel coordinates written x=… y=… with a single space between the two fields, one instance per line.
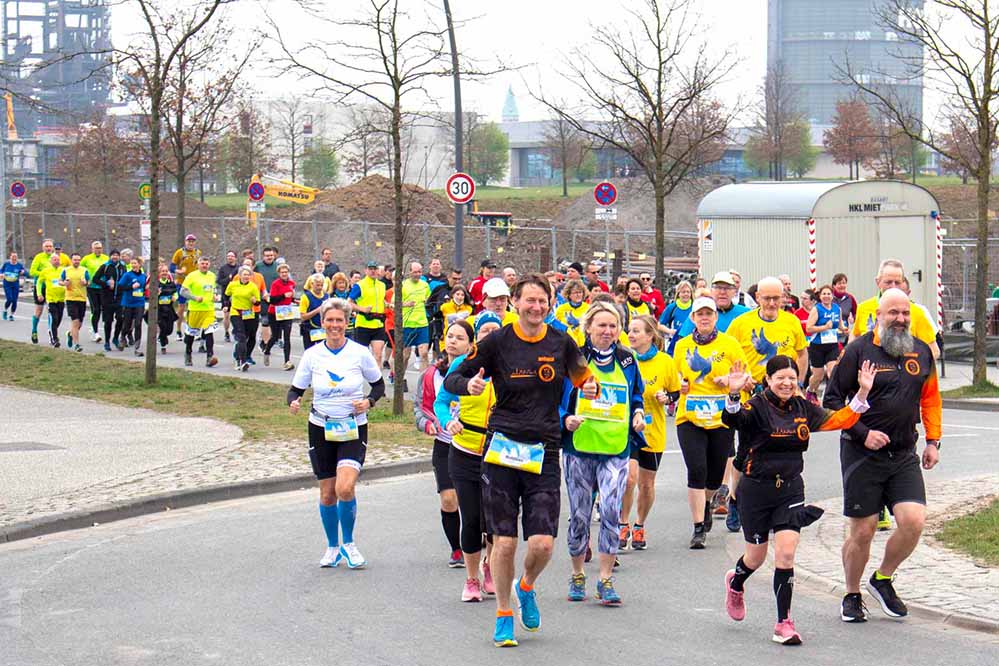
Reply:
x=786 y=199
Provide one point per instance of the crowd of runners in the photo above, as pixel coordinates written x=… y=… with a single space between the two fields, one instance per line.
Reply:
x=529 y=380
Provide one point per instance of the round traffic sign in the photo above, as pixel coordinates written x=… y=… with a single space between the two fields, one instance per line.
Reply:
x=460 y=188
x=145 y=191
x=605 y=194
x=18 y=190
x=255 y=191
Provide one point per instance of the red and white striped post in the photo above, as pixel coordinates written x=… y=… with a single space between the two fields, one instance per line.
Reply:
x=700 y=243
x=813 y=278
x=936 y=217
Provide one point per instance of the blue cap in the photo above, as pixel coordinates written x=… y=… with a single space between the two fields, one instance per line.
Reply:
x=486 y=317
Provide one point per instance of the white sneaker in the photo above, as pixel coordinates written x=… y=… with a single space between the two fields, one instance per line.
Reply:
x=416 y=364
x=331 y=558
x=352 y=555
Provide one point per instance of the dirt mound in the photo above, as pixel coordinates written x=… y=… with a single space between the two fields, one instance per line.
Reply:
x=372 y=199
x=116 y=199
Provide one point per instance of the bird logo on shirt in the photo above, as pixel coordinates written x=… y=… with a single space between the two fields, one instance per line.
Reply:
x=698 y=364
x=335 y=379
x=763 y=347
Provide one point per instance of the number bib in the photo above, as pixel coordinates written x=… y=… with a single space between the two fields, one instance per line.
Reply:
x=165 y=300
x=247 y=314
x=137 y=292
x=705 y=410
x=341 y=430
x=10 y=277
x=610 y=405
x=284 y=312
x=317 y=335
x=828 y=337
x=522 y=456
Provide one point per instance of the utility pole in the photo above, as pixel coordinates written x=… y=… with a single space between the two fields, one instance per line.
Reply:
x=459 y=211
x=3 y=194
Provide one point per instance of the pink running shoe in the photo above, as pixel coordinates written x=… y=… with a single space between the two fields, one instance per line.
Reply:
x=487 y=579
x=472 y=591
x=735 y=602
x=785 y=634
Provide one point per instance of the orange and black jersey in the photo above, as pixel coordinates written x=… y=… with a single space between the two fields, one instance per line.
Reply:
x=904 y=389
x=773 y=433
x=527 y=374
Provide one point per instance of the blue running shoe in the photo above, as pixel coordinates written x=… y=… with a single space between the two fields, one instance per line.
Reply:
x=527 y=602
x=577 y=587
x=352 y=556
x=732 y=521
x=503 y=636
x=606 y=594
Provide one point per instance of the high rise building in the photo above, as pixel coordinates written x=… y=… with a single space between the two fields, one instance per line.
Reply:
x=811 y=38
x=510 y=112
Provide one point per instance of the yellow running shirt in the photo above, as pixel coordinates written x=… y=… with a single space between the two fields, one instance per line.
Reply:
x=699 y=365
x=50 y=279
x=242 y=295
x=867 y=316
x=761 y=340
x=201 y=284
x=659 y=374
x=76 y=290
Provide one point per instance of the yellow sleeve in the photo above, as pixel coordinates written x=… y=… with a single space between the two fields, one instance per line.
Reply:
x=671 y=377
x=303 y=305
x=176 y=258
x=735 y=329
x=920 y=326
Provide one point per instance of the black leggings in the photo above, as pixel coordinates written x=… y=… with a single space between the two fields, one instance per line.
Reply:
x=112 y=319
x=94 y=296
x=164 y=322
x=466 y=474
x=280 y=329
x=209 y=339
x=245 y=331
x=705 y=452
x=132 y=323
x=55 y=318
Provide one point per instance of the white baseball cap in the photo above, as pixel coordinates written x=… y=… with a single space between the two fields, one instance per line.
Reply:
x=703 y=302
x=495 y=287
x=724 y=277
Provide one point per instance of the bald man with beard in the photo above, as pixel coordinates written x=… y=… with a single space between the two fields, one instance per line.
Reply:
x=880 y=464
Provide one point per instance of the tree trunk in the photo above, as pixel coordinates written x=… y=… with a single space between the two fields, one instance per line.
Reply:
x=156 y=100
x=181 y=200
x=979 y=369
x=399 y=237
x=659 y=188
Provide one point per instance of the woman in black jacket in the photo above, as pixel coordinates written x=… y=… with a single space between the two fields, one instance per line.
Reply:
x=774 y=430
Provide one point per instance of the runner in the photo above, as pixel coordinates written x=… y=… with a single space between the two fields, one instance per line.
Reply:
x=92 y=262
x=50 y=290
x=338 y=425
x=741 y=297
x=496 y=299
x=703 y=359
x=107 y=276
x=651 y=295
x=891 y=275
x=510 y=276
x=368 y=295
x=593 y=277
x=415 y=326
x=596 y=446
x=244 y=295
x=76 y=280
x=636 y=306
x=267 y=268
x=330 y=267
x=486 y=270
x=456 y=345
x=905 y=392
x=13 y=271
x=124 y=335
x=676 y=313
x=774 y=429
x=183 y=262
x=199 y=290
x=258 y=310
x=340 y=286
x=311 y=326
x=825 y=323
x=457 y=308
x=166 y=316
x=226 y=274
x=281 y=313
x=846 y=302
x=571 y=312
x=40 y=262
x=133 y=302
x=790 y=302
x=527 y=362
x=662 y=388
x=466 y=418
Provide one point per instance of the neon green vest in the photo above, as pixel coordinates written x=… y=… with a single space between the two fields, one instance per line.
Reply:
x=373 y=296
x=608 y=434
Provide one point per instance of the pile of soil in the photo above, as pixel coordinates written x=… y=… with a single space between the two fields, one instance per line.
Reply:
x=116 y=199
x=372 y=199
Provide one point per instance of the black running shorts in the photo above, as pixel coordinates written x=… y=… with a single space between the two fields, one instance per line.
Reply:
x=873 y=479
x=506 y=491
x=820 y=354
x=326 y=457
x=763 y=506
x=365 y=336
x=647 y=459
x=76 y=310
x=440 y=460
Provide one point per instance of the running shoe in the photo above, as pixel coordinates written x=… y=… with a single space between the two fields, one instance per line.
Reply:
x=55 y=343
x=78 y=348
x=732 y=521
x=708 y=520
x=884 y=520
x=251 y=361
x=331 y=558
x=487 y=579
x=187 y=360
x=263 y=346
x=5 y=315
x=671 y=409
x=624 y=535
x=472 y=590
x=138 y=352
x=735 y=602
x=352 y=556
x=211 y=361
x=596 y=512
x=503 y=636
x=720 y=497
x=118 y=345
x=11 y=318
x=698 y=539
x=69 y=340
x=289 y=366
x=163 y=350
x=853 y=609
x=34 y=338
x=527 y=602
x=227 y=338
x=201 y=348
x=180 y=336
x=577 y=587
x=606 y=594
x=457 y=560
x=245 y=367
x=107 y=347
x=638 y=539
x=267 y=360
x=785 y=634
x=96 y=337
x=884 y=592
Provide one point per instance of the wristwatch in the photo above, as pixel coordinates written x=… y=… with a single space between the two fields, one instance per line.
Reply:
x=735 y=397
x=933 y=442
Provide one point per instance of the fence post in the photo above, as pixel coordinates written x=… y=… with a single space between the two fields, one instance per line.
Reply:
x=489 y=242
x=107 y=241
x=554 y=233
x=426 y=242
x=260 y=231
x=72 y=232
x=315 y=238
x=222 y=249
x=366 y=242
x=43 y=225
x=607 y=259
x=572 y=253
x=627 y=253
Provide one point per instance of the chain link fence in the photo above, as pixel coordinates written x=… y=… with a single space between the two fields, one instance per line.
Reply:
x=960 y=274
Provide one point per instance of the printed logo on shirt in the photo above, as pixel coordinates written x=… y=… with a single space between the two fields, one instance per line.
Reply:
x=803 y=432
x=546 y=359
x=335 y=379
x=699 y=364
x=546 y=373
x=912 y=367
x=764 y=347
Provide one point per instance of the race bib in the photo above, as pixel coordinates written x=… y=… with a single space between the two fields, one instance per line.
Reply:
x=341 y=430
x=247 y=314
x=284 y=312
x=208 y=288
x=522 y=456
x=611 y=404
x=317 y=335
x=165 y=300
x=55 y=282
x=829 y=337
x=705 y=410
x=10 y=277
x=137 y=292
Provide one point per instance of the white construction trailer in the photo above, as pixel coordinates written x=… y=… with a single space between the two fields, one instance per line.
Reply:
x=812 y=230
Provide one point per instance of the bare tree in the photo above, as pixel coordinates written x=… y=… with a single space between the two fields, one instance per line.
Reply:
x=566 y=147
x=777 y=115
x=961 y=140
x=852 y=138
x=294 y=124
x=365 y=140
x=958 y=57
x=651 y=89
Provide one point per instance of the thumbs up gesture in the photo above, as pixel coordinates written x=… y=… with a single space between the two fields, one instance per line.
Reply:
x=477 y=384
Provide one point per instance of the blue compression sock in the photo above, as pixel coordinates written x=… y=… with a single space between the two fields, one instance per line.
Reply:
x=348 y=513
x=34 y=324
x=331 y=521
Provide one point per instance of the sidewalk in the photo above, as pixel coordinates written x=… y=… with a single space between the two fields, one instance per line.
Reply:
x=935 y=580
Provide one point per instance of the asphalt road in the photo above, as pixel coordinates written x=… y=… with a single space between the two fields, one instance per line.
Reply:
x=239 y=583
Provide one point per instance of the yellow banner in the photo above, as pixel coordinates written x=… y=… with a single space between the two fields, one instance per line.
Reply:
x=299 y=195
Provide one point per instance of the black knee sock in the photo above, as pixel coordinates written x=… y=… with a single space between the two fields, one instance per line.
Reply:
x=783 y=588
x=210 y=344
x=452 y=528
x=742 y=572
x=188 y=344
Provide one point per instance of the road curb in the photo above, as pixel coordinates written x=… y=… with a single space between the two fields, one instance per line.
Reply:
x=969 y=405
x=193 y=497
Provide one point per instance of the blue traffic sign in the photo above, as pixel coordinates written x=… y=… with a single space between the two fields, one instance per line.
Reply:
x=605 y=193
x=256 y=191
x=18 y=190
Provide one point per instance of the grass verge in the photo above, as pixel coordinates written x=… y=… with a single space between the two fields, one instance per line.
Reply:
x=256 y=407
x=976 y=534
x=982 y=390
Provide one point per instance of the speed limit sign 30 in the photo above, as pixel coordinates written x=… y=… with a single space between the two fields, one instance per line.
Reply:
x=460 y=188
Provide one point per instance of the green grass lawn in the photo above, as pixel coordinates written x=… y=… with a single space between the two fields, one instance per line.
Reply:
x=256 y=407
x=976 y=534
x=983 y=390
x=237 y=201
